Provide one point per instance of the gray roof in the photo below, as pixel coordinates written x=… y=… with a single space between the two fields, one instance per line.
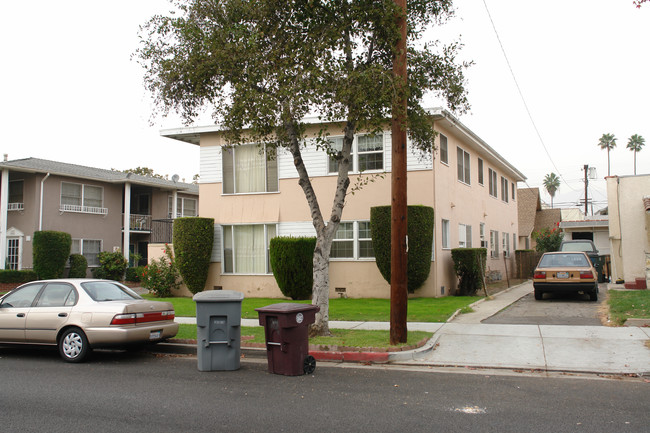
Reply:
x=36 y=165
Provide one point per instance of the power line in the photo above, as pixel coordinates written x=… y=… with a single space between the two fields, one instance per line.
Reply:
x=521 y=95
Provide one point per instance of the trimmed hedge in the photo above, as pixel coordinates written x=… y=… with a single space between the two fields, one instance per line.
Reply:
x=20 y=277
x=193 y=238
x=420 y=242
x=292 y=262
x=78 y=266
x=51 y=252
x=469 y=264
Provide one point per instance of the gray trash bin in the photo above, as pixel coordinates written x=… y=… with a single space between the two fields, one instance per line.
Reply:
x=218 y=329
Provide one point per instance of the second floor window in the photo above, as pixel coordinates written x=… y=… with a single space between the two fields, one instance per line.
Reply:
x=185 y=207
x=493 y=182
x=249 y=169
x=480 y=171
x=444 y=152
x=504 y=189
x=81 y=196
x=463 y=165
x=16 y=191
x=367 y=153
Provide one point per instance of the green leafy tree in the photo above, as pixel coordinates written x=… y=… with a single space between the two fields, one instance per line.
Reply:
x=607 y=141
x=551 y=185
x=548 y=239
x=635 y=144
x=264 y=65
x=144 y=171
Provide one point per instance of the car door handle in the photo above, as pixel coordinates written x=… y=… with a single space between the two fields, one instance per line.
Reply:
x=20 y=315
x=63 y=314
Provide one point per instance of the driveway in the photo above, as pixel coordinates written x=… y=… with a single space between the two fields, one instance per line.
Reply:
x=555 y=309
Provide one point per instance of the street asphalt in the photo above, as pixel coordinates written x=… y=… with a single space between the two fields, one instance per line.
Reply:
x=464 y=341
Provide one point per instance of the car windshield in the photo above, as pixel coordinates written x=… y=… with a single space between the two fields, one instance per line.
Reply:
x=102 y=291
x=577 y=246
x=563 y=260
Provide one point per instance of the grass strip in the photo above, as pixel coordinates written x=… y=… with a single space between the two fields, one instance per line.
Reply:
x=341 y=337
x=628 y=304
x=365 y=310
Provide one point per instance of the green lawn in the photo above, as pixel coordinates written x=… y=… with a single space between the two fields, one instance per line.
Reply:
x=341 y=337
x=373 y=310
x=625 y=305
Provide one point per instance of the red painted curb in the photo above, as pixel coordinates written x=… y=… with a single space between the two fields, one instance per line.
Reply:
x=372 y=357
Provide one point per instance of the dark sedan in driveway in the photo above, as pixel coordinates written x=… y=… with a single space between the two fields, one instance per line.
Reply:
x=565 y=272
x=78 y=315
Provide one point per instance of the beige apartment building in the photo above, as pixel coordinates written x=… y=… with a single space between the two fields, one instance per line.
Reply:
x=253 y=198
x=102 y=210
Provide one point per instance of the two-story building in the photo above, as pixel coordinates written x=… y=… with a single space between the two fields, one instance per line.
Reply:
x=253 y=198
x=103 y=210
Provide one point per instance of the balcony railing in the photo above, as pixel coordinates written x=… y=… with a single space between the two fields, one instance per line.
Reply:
x=16 y=206
x=140 y=223
x=162 y=231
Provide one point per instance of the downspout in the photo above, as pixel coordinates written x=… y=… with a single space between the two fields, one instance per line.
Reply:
x=4 y=196
x=40 y=215
x=126 y=241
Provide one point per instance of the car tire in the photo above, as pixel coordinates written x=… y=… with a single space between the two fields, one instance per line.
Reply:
x=539 y=295
x=73 y=345
x=593 y=296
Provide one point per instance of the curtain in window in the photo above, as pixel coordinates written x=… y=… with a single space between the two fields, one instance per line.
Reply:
x=91 y=249
x=250 y=174
x=92 y=196
x=71 y=194
x=250 y=249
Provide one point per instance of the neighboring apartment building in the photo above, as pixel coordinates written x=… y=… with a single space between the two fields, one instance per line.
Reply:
x=103 y=210
x=628 y=203
x=533 y=218
x=253 y=198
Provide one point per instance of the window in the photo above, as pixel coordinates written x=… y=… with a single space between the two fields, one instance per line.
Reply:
x=89 y=248
x=445 y=234
x=76 y=197
x=480 y=171
x=365 y=240
x=514 y=242
x=246 y=248
x=185 y=207
x=353 y=240
x=13 y=253
x=482 y=235
x=464 y=236
x=57 y=295
x=367 y=153
x=249 y=169
x=504 y=189
x=493 y=182
x=513 y=191
x=494 y=244
x=506 y=244
x=16 y=191
x=22 y=298
x=463 y=165
x=444 y=153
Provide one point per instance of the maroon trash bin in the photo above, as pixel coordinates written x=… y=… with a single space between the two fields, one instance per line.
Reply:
x=286 y=329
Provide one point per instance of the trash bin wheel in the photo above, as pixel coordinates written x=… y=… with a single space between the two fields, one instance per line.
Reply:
x=309 y=364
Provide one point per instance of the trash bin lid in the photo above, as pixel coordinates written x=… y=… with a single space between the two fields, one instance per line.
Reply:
x=287 y=307
x=218 y=296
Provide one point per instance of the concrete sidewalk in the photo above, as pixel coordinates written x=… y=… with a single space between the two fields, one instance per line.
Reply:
x=466 y=342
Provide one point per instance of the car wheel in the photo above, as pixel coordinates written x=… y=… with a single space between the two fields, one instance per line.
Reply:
x=539 y=295
x=73 y=345
x=309 y=365
x=593 y=296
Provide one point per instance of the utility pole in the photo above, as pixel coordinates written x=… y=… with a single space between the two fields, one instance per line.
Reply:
x=398 y=270
x=586 y=184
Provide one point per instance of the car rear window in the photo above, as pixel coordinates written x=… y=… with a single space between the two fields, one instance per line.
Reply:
x=563 y=260
x=102 y=291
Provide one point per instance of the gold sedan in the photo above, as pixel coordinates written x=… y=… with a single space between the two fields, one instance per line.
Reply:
x=78 y=315
x=565 y=272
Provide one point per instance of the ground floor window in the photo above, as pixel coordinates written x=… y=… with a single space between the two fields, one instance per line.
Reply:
x=246 y=248
x=89 y=248
x=352 y=241
x=494 y=244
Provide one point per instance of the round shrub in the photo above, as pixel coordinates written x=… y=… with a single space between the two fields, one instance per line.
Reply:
x=420 y=241
x=111 y=266
x=193 y=238
x=292 y=262
x=51 y=252
x=78 y=266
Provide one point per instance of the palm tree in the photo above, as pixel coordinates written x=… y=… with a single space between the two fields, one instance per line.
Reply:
x=551 y=184
x=607 y=141
x=635 y=143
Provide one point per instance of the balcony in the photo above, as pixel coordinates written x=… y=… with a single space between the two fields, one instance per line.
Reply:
x=16 y=206
x=83 y=209
x=140 y=223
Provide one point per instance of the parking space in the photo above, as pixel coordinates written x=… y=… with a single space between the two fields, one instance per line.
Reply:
x=554 y=309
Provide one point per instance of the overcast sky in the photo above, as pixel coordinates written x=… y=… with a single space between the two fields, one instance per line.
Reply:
x=71 y=93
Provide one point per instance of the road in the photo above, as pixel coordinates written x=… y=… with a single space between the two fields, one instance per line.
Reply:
x=554 y=309
x=140 y=392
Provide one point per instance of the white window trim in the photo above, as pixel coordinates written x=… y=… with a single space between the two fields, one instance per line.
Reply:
x=82 y=208
x=494 y=243
x=445 y=229
x=180 y=209
x=354 y=155
x=467 y=171
x=355 y=244
x=493 y=179
x=445 y=162
x=234 y=174
x=81 y=248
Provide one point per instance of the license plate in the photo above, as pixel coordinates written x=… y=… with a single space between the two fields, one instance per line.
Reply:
x=562 y=275
x=155 y=335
